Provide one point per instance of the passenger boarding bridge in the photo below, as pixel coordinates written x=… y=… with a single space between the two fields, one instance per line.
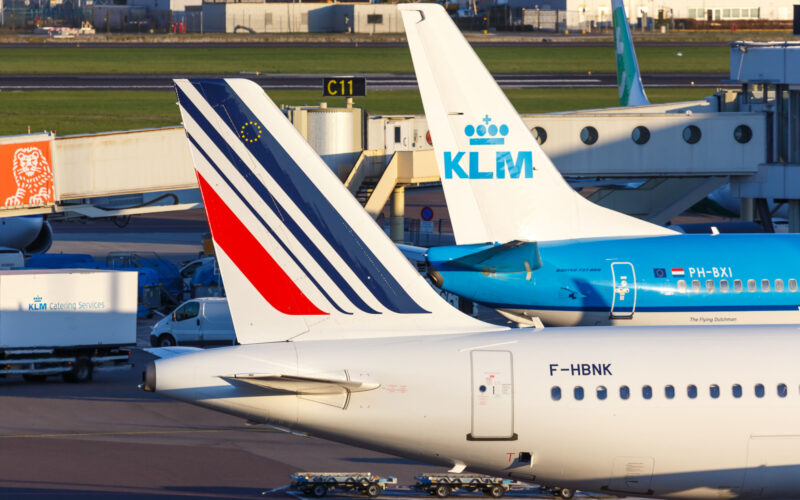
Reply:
x=651 y=161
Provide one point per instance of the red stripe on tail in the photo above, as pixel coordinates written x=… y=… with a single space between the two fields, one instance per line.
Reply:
x=251 y=258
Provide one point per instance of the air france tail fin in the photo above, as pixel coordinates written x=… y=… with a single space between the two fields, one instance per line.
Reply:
x=499 y=184
x=629 y=80
x=299 y=256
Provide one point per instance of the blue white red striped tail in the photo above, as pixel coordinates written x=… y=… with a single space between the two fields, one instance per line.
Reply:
x=299 y=256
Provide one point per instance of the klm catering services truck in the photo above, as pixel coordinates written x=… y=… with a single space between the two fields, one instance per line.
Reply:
x=68 y=322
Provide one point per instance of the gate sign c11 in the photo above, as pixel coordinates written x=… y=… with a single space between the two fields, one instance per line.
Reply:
x=344 y=86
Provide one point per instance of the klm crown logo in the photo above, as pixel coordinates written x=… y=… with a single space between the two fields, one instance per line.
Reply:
x=487 y=133
x=37 y=305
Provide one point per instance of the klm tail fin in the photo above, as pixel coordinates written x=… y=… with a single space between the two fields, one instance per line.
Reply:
x=499 y=184
x=299 y=256
x=629 y=80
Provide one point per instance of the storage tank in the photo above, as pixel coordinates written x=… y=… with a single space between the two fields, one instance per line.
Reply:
x=330 y=133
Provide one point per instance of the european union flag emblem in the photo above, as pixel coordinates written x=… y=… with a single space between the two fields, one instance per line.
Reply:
x=660 y=273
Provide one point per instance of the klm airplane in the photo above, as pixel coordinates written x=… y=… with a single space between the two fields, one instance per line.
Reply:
x=530 y=246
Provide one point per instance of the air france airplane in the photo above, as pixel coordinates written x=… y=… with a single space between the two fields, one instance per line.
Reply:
x=530 y=246
x=342 y=339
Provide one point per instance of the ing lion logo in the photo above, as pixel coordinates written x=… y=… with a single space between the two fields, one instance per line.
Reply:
x=33 y=176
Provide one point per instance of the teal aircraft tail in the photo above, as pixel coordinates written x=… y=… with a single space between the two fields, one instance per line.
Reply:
x=629 y=80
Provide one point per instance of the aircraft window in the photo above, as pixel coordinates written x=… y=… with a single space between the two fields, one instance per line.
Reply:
x=602 y=392
x=782 y=390
x=742 y=133
x=765 y=285
x=714 y=391
x=682 y=286
x=555 y=393
x=669 y=392
x=723 y=286
x=640 y=135
x=578 y=392
x=737 y=286
x=710 y=286
x=624 y=392
x=751 y=285
x=696 y=286
x=737 y=390
x=778 y=285
x=691 y=391
x=589 y=135
x=540 y=134
x=691 y=134
x=792 y=285
x=759 y=390
x=647 y=392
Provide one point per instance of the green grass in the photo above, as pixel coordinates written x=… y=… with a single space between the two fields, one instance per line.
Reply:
x=192 y=60
x=77 y=112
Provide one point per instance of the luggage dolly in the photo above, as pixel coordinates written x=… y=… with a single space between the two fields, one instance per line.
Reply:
x=441 y=485
x=318 y=484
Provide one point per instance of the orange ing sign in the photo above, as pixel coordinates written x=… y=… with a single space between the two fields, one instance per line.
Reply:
x=26 y=174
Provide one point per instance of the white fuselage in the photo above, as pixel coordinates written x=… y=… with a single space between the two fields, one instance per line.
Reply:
x=486 y=401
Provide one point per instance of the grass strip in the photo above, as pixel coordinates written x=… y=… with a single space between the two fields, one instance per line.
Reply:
x=231 y=60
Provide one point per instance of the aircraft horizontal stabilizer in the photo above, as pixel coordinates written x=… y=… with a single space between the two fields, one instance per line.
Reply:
x=512 y=257
x=169 y=352
x=302 y=385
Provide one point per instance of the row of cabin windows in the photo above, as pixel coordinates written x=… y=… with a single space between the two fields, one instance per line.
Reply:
x=738 y=286
x=669 y=391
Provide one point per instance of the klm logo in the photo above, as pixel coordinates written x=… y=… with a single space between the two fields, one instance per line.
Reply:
x=37 y=305
x=505 y=165
x=486 y=133
x=467 y=166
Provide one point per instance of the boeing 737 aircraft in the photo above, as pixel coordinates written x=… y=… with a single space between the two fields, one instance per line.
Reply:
x=343 y=340
x=530 y=246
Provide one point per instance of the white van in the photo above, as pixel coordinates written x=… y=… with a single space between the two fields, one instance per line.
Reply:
x=205 y=322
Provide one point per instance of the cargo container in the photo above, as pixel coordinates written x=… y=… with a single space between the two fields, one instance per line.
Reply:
x=66 y=322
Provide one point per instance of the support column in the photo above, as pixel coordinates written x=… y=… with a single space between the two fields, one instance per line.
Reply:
x=746 y=209
x=794 y=216
x=398 y=215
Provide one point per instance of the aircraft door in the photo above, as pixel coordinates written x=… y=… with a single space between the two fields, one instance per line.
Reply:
x=623 y=301
x=492 y=396
x=398 y=135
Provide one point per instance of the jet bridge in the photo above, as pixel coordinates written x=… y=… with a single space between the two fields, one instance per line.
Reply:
x=108 y=175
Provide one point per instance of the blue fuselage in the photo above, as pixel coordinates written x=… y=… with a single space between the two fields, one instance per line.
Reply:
x=681 y=279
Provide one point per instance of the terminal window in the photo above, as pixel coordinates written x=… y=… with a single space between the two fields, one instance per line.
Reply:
x=375 y=19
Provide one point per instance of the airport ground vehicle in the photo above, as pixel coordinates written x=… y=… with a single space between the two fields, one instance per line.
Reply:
x=203 y=321
x=68 y=322
x=169 y=279
x=442 y=485
x=149 y=291
x=318 y=484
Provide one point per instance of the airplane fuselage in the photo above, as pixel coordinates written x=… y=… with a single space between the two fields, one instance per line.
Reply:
x=710 y=412
x=664 y=280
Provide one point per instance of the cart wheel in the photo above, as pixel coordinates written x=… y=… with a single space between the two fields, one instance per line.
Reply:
x=566 y=493
x=495 y=491
x=373 y=490
x=442 y=491
x=81 y=371
x=319 y=490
